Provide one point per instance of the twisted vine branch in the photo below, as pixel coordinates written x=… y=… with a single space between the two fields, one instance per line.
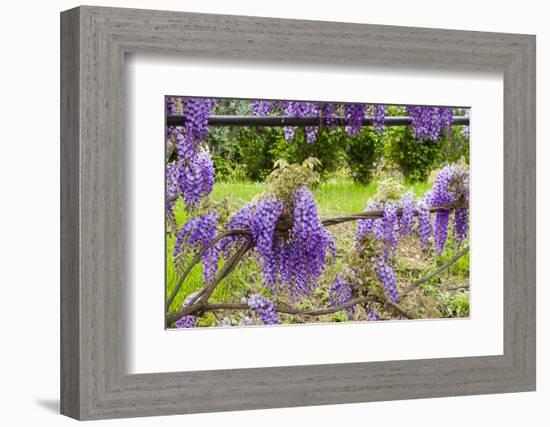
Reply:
x=201 y=299
x=316 y=312
x=434 y=273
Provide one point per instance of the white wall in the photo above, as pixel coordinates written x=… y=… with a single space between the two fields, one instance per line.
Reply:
x=29 y=225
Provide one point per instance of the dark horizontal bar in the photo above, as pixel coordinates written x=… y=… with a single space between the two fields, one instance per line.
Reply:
x=296 y=121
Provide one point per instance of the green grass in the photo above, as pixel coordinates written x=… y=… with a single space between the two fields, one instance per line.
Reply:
x=241 y=192
x=334 y=196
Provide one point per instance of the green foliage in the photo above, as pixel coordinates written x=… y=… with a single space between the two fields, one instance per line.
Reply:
x=241 y=152
x=250 y=152
x=454 y=146
x=414 y=159
x=286 y=178
x=454 y=305
x=328 y=148
x=389 y=190
x=363 y=154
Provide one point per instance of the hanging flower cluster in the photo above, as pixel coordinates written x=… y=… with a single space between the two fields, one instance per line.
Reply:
x=196 y=234
x=192 y=179
x=196 y=178
x=428 y=122
x=406 y=219
x=308 y=246
x=301 y=109
x=196 y=112
x=172 y=184
x=451 y=186
x=379 y=118
x=293 y=260
x=340 y=293
x=187 y=321
x=330 y=112
x=373 y=314
x=264 y=308
x=240 y=221
x=425 y=227
x=387 y=277
x=263 y=224
x=171 y=106
x=353 y=115
x=192 y=174
x=261 y=107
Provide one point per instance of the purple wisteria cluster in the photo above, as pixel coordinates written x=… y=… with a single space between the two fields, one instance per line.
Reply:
x=192 y=179
x=172 y=184
x=171 y=106
x=406 y=219
x=195 y=235
x=386 y=228
x=292 y=109
x=330 y=112
x=428 y=122
x=340 y=293
x=379 y=118
x=263 y=224
x=192 y=174
x=239 y=221
x=196 y=178
x=306 y=252
x=354 y=115
x=301 y=109
x=261 y=107
x=425 y=226
x=188 y=320
x=196 y=112
x=264 y=309
x=373 y=314
x=293 y=260
x=387 y=277
x=451 y=186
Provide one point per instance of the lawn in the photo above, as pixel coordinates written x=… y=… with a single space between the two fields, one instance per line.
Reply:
x=334 y=196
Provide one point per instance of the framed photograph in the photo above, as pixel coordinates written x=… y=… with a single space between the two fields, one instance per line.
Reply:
x=278 y=213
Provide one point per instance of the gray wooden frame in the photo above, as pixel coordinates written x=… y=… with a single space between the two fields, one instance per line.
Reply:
x=94 y=41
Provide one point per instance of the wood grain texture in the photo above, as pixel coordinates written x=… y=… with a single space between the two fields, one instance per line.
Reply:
x=94 y=240
x=70 y=292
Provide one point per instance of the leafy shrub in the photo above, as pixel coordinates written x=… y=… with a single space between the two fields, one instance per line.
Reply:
x=364 y=154
x=415 y=160
x=328 y=148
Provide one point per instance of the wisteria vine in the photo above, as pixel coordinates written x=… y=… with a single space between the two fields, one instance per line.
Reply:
x=428 y=123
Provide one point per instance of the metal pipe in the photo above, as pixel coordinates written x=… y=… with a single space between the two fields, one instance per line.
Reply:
x=298 y=121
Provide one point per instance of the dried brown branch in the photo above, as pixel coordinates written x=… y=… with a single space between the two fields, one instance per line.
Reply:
x=316 y=312
x=198 y=258
x=380 y=213
x=201 y=299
